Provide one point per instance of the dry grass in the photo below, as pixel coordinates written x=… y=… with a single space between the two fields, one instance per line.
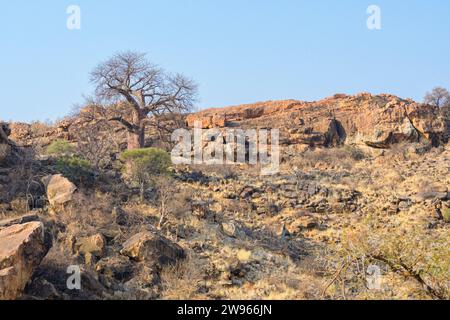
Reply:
x=183 y=281
x=327 y=158
x=414 y=262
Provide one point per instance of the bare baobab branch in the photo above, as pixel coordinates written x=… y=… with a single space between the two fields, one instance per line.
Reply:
x=148 y=91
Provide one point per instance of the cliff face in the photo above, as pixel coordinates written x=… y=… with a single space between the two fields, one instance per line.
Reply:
x=377 y=121
x=372 y=120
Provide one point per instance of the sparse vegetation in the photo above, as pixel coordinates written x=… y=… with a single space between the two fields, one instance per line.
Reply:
x=439 y=97
x=407 y=253
x=182 y=281
x=329 y=225
x=446 y=215
x=142 y=166
x=61 y=148
x=76 y=169
x=344 y=157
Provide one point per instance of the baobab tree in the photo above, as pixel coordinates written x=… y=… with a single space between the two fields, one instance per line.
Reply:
x=145 y=90
x=438 y=97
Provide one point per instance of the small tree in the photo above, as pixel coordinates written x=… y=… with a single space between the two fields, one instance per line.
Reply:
x=144 y=89
x=438 y=97
x=165 y=192
x=143 y=166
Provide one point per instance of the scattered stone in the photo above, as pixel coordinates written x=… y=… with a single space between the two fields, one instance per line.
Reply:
x=90 y=247
x=200 y=209
x=247 y=192
x=305 y=221
x=119 y=268
x=43 y=289
x=120 y=216
x=229 y=229
x=151 y=247
x=59 y=189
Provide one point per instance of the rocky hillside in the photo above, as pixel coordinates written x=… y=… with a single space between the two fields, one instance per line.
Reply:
x=364 y=182
x=376 y=121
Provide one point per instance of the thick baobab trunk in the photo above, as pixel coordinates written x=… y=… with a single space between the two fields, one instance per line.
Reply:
x=136 y=139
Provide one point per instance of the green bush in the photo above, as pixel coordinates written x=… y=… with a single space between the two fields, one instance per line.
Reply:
x=60 y=147
x=143 y=166
x=152 y=160
x=76 y=170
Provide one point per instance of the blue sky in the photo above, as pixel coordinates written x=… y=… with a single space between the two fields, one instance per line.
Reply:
x=239 y=51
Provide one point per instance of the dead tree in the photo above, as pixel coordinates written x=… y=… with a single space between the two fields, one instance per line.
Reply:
x=145 y=89
x=438 y=97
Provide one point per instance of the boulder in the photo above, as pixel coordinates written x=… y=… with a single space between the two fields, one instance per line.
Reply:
x=153 y=248
x=229 y=228
x=433 y=192
x=90 y=247
x=59 y=189
x=120 y=216
x=22 y=248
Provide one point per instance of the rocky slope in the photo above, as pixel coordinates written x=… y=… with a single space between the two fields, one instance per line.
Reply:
x=308 y=232
x=376 y=121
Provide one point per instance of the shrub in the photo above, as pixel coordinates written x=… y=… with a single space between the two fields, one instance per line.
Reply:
x=95 y=143
x=76 y=169
x=144 y=165
x=354 y=153
x=182 y=280
x=408 y=252
x=446 y=215
x=60 y=147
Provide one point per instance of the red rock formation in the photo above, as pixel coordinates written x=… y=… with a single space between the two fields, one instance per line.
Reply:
x=372 y=120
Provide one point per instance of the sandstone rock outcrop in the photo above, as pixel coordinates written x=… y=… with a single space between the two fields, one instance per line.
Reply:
x=152 y=248
x=59 y=189
x=376 y=121
x=40 y=134
x=22 y=248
